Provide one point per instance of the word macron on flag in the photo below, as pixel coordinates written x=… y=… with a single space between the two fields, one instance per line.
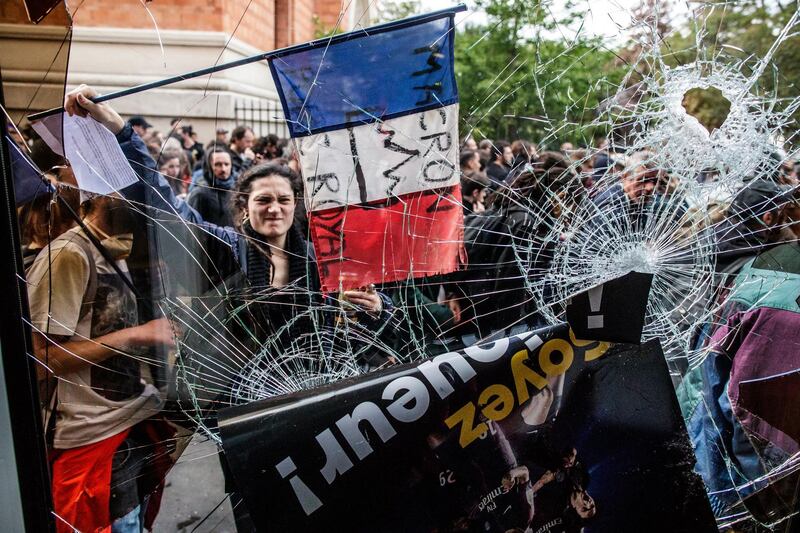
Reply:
x=374 y=117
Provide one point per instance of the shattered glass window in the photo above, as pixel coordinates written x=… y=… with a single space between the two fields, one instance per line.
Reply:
x=220 y=268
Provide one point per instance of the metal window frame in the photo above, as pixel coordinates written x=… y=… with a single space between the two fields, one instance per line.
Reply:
x=25 y=460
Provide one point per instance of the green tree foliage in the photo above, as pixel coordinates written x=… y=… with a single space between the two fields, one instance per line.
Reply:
x=398 y=9
x=708 y=106
x=518 y=77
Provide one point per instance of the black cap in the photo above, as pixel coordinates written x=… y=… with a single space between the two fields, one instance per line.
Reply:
x=187 y=129
x=760 y=196
x=139 y=121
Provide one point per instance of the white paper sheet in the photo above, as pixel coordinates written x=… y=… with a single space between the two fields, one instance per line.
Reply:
x=49 y=129
x=96 y=158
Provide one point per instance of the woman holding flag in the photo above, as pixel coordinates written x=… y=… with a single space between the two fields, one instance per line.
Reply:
x=264 y=201
x=264 y=248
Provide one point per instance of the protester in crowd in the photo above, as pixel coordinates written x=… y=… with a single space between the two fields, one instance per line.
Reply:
x=266 y=148
x=523 y=154
x=508 y=246
x=469 y=161
x=170 y=144
x=185 y=173
x=241 y=148
x=473 y=182
x=175 y=130
x=499 y=163
x=752 y=338
x=790 y=182
x=524 y=151
x=567 y=148
x=260 y=151
x=211 y=196
x=221 y=137
x=87 y=333
x=294 y=160
x=792 y=210
x=172 y=164
x=153 y=148
x=641 y=182
x=189 y=143
x=48 y=215
x=755 y=221
x=469 y=144
x=264 y=203
x=474 y=185
x=154 y=136
x=140 y=125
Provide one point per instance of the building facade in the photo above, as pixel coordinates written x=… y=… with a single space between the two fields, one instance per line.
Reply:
x=122 y=43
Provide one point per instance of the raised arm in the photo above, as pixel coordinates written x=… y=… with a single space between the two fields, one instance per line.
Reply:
x=153 y=190
x=221 y=244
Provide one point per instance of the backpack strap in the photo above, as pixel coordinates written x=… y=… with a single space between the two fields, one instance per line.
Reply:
x=91 y=288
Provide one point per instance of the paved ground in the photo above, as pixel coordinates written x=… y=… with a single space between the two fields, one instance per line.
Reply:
x=194 y=488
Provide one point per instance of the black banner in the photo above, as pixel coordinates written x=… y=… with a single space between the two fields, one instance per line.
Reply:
x=539 y=432
x=613 y=311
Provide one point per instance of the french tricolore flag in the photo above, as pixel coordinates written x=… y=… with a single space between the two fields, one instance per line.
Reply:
x=374 y=116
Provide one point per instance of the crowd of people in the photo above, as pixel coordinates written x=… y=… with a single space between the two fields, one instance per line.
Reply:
x=96 y=332
x=242 y=197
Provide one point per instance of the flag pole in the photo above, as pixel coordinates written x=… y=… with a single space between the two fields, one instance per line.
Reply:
x=395 y=24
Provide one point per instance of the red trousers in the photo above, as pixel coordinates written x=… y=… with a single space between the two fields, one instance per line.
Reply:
x=82 y=486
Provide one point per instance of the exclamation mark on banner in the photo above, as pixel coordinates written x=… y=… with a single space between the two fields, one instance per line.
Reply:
x=595 y=298
x=308 y=500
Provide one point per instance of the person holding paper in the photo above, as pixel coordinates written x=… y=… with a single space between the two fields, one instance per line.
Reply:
x=264 y=202
x=264 y=244
x=86 y=332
